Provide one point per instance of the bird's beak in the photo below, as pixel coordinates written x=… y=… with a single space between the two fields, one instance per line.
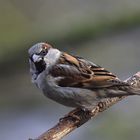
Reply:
x=36 y=58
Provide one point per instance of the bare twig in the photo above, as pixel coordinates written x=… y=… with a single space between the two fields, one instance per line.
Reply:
x=69 y=123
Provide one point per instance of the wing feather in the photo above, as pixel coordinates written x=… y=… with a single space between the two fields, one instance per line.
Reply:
x=78 y=72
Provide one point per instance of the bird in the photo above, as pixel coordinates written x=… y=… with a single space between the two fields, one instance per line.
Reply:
x=72 y=80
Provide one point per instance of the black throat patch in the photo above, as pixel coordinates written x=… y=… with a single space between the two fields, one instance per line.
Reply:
x=40 y=66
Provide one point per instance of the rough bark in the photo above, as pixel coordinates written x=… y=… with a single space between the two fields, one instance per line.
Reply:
x=79 y=117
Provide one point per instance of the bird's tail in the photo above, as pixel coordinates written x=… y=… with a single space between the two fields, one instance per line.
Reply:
x=129 y=91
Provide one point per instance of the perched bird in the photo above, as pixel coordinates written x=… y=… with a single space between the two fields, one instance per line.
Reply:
x=73 y=81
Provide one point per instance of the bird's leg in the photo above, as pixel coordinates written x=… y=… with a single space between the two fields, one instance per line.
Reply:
x=77 y=115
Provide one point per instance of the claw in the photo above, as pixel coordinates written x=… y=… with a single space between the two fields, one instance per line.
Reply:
x=72 y=115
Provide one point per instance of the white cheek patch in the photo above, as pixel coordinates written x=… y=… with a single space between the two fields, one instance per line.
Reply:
x=52 y=56
x=46 y=61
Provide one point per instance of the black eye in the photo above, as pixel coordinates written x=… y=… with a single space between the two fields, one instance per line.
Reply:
x=43 y=52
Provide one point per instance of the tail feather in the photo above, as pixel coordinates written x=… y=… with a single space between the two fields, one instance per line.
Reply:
x=125 y=92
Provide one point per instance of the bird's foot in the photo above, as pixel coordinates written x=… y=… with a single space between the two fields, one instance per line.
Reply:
x=73 y=115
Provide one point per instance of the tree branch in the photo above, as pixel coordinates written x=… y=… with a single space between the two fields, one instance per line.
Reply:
x=79 y=117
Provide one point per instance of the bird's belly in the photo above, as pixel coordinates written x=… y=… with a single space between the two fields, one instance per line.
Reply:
x=68 y=96
x=72 y=97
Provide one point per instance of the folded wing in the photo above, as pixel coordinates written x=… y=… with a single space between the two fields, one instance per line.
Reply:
x=72 y=71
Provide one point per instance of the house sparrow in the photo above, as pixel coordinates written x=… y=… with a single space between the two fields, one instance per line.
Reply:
x=73 y=81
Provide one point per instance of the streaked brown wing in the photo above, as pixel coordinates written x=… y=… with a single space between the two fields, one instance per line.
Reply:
x=77 y=72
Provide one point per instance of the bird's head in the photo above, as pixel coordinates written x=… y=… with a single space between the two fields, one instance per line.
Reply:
x=41 y=57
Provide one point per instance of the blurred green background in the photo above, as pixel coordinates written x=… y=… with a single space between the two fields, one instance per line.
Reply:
x=105 y=32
